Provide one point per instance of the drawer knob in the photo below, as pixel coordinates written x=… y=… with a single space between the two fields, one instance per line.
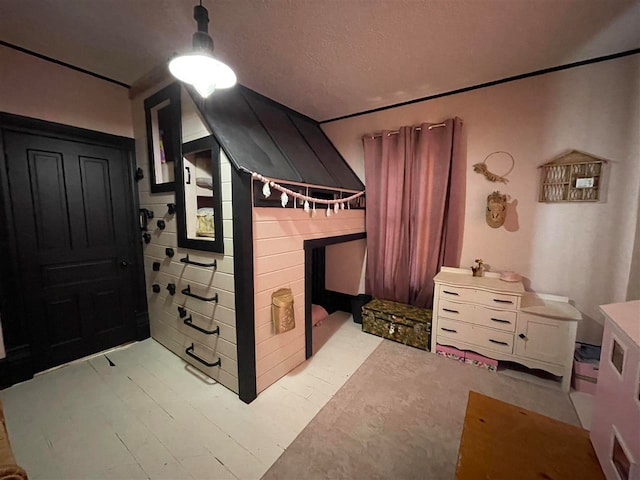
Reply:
x=523 y=336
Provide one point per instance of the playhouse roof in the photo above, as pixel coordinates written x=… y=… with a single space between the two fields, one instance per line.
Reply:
x=266 y=137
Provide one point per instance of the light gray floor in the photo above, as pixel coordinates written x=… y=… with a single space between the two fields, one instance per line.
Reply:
x=153 y=416
x=401 y=415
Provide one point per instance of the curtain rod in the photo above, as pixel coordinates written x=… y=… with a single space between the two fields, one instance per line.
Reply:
x=395 y=132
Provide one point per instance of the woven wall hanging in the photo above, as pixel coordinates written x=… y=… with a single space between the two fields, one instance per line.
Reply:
x=482 y=168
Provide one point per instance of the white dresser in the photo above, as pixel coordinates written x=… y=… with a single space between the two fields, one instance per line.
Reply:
x=500 y=320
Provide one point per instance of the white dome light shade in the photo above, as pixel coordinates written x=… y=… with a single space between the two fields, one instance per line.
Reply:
x=204 y=72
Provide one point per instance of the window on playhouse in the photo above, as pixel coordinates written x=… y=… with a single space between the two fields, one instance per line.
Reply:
x=198 y=196
x=620 y=459
x=617 y=356
x=162 y=114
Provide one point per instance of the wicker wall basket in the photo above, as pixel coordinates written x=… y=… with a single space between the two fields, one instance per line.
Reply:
x=282 y=313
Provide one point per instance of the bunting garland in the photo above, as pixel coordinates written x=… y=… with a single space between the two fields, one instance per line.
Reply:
x=335 y=205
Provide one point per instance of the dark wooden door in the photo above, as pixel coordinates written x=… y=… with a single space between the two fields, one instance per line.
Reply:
x=72 y=207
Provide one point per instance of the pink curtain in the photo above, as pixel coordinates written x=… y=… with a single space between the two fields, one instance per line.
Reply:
x=415 y=209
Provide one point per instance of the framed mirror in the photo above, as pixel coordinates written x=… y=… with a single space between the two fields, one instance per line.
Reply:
x=163 y=118
x=198 y=196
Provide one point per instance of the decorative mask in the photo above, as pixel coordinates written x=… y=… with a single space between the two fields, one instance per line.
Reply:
x=496 y=209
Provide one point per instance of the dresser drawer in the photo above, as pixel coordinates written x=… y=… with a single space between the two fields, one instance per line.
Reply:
x=496 y=299
x=455 y=311
x=455 y=330
x=478 y=315
x=459 y=294
x=494 y=340
x=475 y=335
x=498 y=319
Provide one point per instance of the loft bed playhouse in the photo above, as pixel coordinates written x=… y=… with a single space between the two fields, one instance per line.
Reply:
x=217 y=241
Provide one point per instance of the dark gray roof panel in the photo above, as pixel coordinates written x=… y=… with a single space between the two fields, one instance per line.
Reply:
x=327 y=153
x=291 y=143
x=264 y=136
x=242 y=136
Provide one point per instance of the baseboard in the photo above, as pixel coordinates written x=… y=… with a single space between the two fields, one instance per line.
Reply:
x=16 y=367
x=143 y=330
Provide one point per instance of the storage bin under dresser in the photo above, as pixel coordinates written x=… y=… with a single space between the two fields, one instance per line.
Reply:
x=501 y=321
x=398 y=322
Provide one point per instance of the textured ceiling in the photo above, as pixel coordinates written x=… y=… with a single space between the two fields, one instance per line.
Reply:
x=328 y=58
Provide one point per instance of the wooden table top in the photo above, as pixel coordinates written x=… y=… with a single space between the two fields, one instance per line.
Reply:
x=501 y=441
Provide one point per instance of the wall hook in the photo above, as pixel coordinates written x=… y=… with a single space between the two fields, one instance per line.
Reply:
x=171 y=287
x=139 y=175
x=172 y=208
x=156 y=266
x=170 y=252
x=146 y=237
x=161 y=224
x=156 y=288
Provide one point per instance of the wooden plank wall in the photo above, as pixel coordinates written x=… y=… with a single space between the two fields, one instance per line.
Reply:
x=279 y=234
x=166 y=325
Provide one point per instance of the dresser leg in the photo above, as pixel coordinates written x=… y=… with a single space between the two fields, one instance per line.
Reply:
x=566 y=380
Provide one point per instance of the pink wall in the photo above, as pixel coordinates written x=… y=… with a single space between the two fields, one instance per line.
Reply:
x=40 y=89
x=278 y=235
x=345 y=264
x=583 y=251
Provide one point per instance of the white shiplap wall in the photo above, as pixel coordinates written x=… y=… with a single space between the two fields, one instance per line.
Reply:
x=278 y=235
x=166 y=325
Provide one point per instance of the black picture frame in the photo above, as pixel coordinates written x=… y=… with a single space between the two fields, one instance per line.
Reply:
x=170 y=121
x=216 y=245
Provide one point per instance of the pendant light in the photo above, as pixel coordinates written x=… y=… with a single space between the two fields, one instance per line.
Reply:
x=199 y=67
